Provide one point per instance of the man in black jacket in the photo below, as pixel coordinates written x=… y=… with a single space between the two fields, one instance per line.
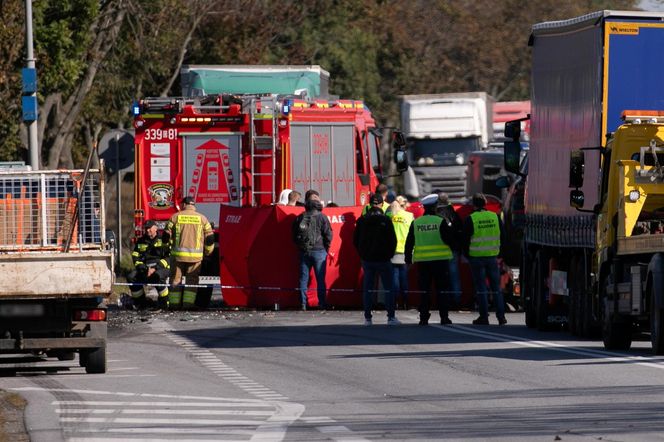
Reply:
x=375 y=240
x=313 y=235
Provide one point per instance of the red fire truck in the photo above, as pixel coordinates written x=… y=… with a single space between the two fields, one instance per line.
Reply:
x=235 y=154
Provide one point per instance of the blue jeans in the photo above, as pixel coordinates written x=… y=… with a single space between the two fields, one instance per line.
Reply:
x=483 y=267
x=384 y=270
x=455 y=280
x=438 y=273
x=318 y=260
x=400 y=282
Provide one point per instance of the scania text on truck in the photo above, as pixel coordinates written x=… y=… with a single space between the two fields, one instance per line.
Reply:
x=595 y=89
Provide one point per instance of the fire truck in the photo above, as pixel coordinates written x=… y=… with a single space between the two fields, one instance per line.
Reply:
x=235 y=154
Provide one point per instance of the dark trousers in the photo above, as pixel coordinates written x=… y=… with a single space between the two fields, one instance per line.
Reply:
x=437 y=272
x=318 y=260
x=384 y=270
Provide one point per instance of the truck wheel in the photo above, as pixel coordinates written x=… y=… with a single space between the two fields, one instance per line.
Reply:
x=96 y=360
x=528 y=298
x=656 y=325
x=82 y=358
x=616 y=335
x=539 y=293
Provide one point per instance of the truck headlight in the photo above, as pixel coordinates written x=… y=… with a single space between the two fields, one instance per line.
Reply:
x=634 y=195
x=460 y=159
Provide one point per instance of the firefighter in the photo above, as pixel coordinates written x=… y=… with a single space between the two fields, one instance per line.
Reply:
x=191 y=237
x=150 y=258
x=482 y=230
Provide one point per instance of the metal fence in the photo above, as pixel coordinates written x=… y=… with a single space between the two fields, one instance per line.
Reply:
x=42 y=209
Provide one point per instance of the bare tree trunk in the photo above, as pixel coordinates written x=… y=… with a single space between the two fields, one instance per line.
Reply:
x=105 y=29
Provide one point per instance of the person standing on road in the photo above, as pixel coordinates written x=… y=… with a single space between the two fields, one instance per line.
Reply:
x=446 y=211
x=482 y=230
x=312 y=234
x=425 y=247
x=150 y=258
x=401 y=219
x=191 y=237
x=375 y=240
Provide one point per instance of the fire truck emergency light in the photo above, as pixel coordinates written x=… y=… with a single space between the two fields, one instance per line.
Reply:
x=136 y=108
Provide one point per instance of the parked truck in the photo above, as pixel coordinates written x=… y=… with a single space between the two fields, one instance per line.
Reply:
x=56 y=265
x=595 y=259
x=441 y=131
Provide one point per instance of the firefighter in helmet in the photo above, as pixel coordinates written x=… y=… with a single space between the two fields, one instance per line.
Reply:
x=191 y=237
x=150 y=258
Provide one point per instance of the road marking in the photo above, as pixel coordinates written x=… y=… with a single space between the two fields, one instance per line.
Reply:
x=166 y=411
x=261 y=404
x=651 y=362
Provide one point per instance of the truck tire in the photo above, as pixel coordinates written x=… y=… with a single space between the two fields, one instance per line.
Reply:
x=95 y=360
x=656 y=325
x=616 y=335
x=82 y=358
x=528 y=296
x=539 y=292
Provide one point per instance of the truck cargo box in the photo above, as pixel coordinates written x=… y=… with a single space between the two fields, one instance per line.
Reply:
x=586 y=71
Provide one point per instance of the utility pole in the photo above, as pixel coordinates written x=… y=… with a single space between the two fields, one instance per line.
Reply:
x=30 y=90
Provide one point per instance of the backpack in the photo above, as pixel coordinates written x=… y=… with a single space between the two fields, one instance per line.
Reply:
x=306 y=233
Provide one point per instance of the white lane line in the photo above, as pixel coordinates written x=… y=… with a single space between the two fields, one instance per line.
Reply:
x=213 y=400
x=253 y=404
x=523 y=342
x=168 y=430
x=123 y=368
x=166 y=411
x=132 y=420
x=111 y=439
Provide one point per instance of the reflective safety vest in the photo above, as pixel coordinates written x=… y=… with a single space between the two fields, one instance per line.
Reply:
x=384 y=208
x=188 y=232
x=402 y=222
x=486 y=234
x=428 y=244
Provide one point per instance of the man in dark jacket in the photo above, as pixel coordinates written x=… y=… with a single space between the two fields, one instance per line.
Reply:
x=376 y=241
x=313 y=235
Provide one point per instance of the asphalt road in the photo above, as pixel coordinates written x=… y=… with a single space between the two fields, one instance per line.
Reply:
x=304 y=376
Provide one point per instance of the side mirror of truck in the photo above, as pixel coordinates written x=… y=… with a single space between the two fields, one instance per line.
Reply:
x=512 y=152
x=401 y=160
x=513 y=130
x=576 y=168
x=576 y=198
x=398 y=140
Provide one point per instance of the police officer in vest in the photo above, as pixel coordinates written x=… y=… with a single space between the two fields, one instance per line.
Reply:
x=151 y=266
x=426 y=248
x=482 y=231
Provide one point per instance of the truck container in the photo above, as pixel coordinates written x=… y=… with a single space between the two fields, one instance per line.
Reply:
x=442 y=130
x=594 y=79
x=200 y=80
x=56 y=265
